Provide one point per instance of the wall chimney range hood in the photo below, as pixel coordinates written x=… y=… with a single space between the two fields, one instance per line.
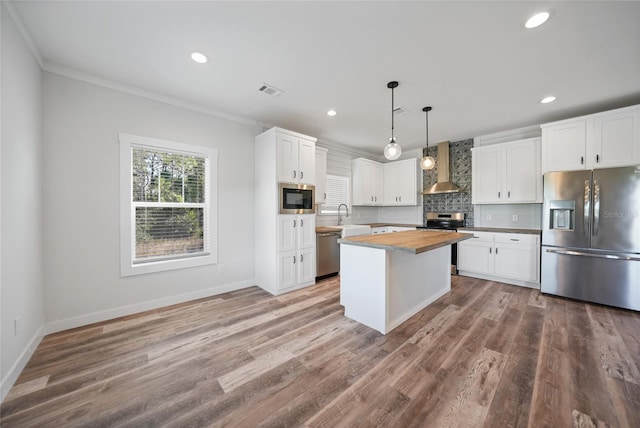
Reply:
x=443 y=185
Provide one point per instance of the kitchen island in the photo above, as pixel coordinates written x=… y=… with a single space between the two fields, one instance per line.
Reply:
x=386 y=279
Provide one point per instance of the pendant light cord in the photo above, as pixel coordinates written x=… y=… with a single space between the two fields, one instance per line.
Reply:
x=392 y=108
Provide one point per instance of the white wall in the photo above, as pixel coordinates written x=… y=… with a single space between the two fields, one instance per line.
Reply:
x=21 y=291
x=81 y=222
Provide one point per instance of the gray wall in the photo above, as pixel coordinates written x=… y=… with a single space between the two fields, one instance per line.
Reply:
x=460 y=171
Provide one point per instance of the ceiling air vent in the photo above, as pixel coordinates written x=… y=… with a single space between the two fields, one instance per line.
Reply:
x=400 y=111
x=270 y=90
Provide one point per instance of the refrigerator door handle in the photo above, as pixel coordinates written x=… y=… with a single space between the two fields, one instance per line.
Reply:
x=596 y=207
x=596 y=255
x=587 y=207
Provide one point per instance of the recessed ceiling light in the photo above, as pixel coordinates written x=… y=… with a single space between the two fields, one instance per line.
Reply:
x=198 y=57
x=537 y=20
x=547 y=100
x=332 y=113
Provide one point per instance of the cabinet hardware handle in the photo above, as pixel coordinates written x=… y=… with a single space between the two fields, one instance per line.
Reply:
x=396 y=199
x=509 y=194
x=496 y=250
x=301 y=174
x=581 y=160
x=301 y=258
x=376 y=198
x=498 y=195
x=476 y=237
x=490 y=250
x=294 y=174
x=325 y=196
x=301 y=222
x=294 y=259
x=597 y=158
x=514 y=239
x=372 y=199
x=400 y=198
x=294 y=223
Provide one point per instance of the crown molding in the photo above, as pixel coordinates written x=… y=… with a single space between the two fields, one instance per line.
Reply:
x=72 y=73
x=26 y=36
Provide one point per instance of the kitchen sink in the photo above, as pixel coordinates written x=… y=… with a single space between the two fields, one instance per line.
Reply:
x=354 y=230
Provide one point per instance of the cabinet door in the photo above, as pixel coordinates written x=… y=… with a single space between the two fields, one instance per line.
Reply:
x=475 y=257
x=306 y=231
x=378 y=184
x=516 y=262
x=321 y=175
x=306 y=162
x=306 y=266
x=564 y=146
x=390 y=174
x=407 y=182
x=616 y=139
x=523 y=176
x=369 y=172
x=487 y=175
x=287 y=226
x=287 y=262
x=287 y=158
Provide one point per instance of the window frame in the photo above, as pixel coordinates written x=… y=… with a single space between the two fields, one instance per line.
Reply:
x=335 y=212
x=127 y=206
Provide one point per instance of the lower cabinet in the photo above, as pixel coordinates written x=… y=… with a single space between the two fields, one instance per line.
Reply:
x=513 y=258
x=296 y=252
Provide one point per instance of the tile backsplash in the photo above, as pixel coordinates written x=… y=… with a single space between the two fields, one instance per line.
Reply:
x=460 y=173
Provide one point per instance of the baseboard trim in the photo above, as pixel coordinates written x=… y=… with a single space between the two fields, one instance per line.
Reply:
x=83 y=320
x=517 y=282
x=21 y=362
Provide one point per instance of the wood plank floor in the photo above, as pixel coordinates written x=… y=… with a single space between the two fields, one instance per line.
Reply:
x=487 y=354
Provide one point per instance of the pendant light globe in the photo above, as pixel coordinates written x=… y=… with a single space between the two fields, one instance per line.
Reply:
x=427 y=162
x=392 y=151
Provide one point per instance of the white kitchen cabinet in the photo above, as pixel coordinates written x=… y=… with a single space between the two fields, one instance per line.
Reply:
x=400 y=182
x=321 y=175
x=367 y=182
x=507 y=173
x=285 y=245
x=378 y=230
x=602 y=140
x=513 y=258
x=296 y=251
x=296 y=158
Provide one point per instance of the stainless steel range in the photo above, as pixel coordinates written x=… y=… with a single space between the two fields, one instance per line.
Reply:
x=446 y=222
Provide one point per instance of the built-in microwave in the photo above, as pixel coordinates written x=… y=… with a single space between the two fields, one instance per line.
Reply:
x=297 y=198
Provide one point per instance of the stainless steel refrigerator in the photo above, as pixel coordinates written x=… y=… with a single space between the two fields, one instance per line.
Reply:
x=591 y=236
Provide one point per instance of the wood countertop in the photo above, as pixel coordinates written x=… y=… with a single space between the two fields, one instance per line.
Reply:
x=390 y=224
x=413 y=241
x=325 y=229
x=500 y=230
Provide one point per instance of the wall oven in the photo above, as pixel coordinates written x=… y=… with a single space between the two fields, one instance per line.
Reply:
x=297 y=198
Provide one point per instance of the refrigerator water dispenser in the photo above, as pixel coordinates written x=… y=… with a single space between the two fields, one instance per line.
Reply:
x=562 y=215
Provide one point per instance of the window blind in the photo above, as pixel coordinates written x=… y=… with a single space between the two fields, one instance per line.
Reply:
x=338 y=192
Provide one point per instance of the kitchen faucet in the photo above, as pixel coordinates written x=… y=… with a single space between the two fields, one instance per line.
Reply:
x=339 y=216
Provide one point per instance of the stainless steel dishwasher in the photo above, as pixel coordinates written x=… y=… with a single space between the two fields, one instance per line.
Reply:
x=328 y=254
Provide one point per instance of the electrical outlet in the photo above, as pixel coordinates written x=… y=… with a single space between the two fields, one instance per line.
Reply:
x=16 y=326
x=488 y=217
x=514 y=217
x=220 y=268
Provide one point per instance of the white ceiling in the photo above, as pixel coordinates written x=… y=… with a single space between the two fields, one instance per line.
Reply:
x=472 y=61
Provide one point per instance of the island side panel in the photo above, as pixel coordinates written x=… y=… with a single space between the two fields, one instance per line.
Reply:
x=415 y=281
x=363 y=284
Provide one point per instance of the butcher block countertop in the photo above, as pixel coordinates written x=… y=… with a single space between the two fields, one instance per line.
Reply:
x=501 y=230
x=413 y=241
x=325 y=229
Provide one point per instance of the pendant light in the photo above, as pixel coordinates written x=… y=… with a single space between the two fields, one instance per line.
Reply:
x=427 y=162
x=392 y=150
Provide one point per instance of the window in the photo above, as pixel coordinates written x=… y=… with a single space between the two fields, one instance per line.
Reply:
x=338 y=192
x=168 y=205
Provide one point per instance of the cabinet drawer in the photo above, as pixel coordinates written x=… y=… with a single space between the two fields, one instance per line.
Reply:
x=479 y=236
x=516 y=238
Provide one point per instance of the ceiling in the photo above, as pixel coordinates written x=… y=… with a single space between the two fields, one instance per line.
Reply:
x=473 y=62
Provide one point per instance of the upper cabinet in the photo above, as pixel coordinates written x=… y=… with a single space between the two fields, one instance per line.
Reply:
x=296 y=158
x=602 y=140
x=401 y=182
x=367 y=182
x=507 y=173
x=321 y=175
